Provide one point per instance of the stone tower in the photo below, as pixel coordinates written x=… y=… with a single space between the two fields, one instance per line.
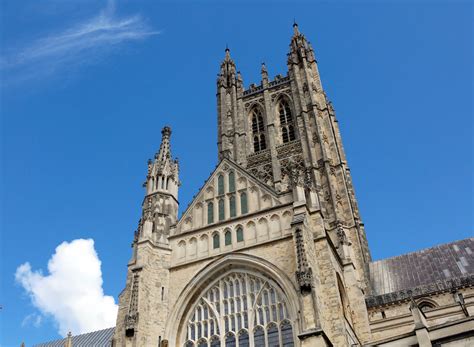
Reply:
x=271 y=251
x=292 y=127
x=142 y=303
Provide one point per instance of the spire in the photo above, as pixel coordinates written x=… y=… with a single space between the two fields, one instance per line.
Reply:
x=227 y=52
x=227 y=73
x=163 y=169
x=295 y=28
x=164 y=151
x=300 y=48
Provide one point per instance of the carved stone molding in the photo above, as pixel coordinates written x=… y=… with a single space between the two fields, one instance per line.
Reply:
x=131 y=319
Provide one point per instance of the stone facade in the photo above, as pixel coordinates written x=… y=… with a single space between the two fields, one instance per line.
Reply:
x=272 y=250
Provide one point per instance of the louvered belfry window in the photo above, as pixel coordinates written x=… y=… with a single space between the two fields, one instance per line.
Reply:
x=286 y=121
x=258 y=130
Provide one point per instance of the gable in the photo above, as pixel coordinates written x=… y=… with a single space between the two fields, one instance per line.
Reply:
x=224 y=198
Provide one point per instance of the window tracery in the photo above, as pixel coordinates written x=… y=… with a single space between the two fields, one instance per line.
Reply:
x=258 y=130
x=286 y=121
x=241 y=310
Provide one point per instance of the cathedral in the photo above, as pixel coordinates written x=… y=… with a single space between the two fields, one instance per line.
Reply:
x=272 y=250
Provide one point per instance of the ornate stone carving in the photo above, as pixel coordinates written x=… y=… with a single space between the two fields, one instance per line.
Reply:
x=304 y=273
x=131 y=319
x=264 y=173
x=308 y=179
x=289 y=149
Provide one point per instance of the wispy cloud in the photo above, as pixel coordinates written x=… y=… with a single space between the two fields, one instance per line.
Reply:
x=32 y=319
x=81 y=44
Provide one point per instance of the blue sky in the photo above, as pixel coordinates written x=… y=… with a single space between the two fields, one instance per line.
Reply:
x=88 y=85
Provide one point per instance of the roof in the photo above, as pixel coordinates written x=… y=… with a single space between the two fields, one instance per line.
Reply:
x=432 y=269
x=100 y=338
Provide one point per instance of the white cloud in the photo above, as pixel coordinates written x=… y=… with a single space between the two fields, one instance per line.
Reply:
x=82 y=44
x=72 y=292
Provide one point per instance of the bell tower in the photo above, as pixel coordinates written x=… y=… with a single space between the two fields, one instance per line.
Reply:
x=284 y=131
x=143 y=305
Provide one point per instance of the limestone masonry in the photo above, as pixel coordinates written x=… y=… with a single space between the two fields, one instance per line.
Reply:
x=272 y=250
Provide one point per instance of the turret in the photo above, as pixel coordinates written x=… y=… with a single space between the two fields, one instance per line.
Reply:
x=230 y=123
x=138 y=322
x=163 y=171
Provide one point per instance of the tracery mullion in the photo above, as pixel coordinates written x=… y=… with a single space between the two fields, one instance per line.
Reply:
x=250 y=314
x=222 y=331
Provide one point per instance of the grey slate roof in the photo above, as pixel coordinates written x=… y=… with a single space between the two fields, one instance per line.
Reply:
x=100 y=338
x=434 y=269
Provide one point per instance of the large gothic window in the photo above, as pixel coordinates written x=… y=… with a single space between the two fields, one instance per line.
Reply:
x=286 y=121
x=258 y=130
x=241 y=310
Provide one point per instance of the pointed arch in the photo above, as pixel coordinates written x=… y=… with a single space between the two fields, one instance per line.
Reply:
x=234 y=277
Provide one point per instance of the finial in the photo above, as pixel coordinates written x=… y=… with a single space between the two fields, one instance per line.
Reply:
x=166 y=131
x=227 y=48
x=264 y=67
x=295 y=27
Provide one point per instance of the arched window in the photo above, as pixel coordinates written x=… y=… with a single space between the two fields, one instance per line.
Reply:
x=221 y=210
x=286 y=121
x=232 y=310
x=243 y=203
x=228 y=238
x=231 y=182
x=240 y=234
x=220 y=185
x=233 y=213
x=216 y=242
x=258 y=130
x=210 y=213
